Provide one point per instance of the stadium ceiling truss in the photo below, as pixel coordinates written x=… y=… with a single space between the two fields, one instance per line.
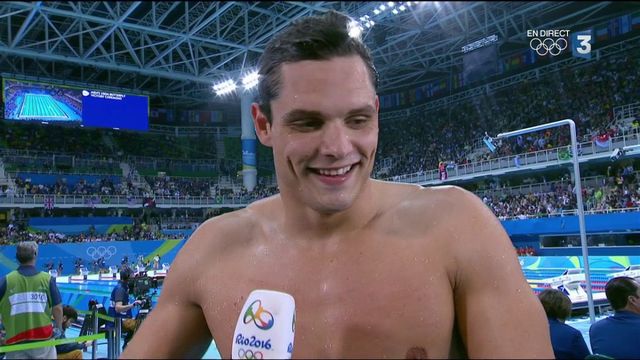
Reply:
x=176 y=51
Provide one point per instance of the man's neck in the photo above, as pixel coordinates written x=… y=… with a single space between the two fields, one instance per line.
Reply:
x=316 y=225
x=631 y=309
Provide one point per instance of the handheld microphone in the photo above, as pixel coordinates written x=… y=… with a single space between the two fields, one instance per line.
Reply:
x=265 y=327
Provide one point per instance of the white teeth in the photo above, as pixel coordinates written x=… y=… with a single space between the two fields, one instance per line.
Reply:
x=337 y=172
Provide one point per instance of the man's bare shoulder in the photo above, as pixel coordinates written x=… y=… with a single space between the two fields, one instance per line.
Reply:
x=449 y=215
x=461 y=211
x=216 y=241
x=234 y=228
x=430 y=202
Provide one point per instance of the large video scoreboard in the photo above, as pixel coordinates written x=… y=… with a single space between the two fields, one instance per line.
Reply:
x=48 y=103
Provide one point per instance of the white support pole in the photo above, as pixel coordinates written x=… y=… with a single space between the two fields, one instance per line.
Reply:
x=578 y=191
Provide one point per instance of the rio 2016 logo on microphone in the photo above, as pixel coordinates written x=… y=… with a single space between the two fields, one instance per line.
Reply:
x=261 y=317
x=581 y=42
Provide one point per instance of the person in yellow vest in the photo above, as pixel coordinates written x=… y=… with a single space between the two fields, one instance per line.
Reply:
x=28 y=299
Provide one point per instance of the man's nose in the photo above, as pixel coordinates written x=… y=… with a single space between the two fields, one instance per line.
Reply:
x=336 y=140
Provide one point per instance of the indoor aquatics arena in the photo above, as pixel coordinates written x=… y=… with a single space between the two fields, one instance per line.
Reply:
x=255 y=180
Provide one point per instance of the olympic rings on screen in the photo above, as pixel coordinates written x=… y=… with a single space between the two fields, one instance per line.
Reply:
x=548 y=46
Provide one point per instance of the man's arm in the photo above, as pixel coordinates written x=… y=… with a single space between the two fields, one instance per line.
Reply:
x=119 y=297
x=56 y=302
x=183 y=329
x=56 y=311
x=122 y=308
x=497 y=312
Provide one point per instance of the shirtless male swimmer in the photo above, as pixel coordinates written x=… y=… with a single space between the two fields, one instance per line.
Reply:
x=377 y=269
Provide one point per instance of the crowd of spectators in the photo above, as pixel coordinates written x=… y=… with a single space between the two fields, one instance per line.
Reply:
x=16 y=232
x=620 y=189
x=104 y=186
x=176 y=187
x=161 y=187
x=50 y=138
x=525 y=251
x=451 y=134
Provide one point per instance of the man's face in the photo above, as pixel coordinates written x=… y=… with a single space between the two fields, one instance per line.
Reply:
x=324 y=131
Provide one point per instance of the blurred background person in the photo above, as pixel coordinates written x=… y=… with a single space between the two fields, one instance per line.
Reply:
x=567 y=341
x=618 y=336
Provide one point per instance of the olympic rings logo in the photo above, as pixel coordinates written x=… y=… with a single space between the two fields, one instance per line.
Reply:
x=261 y=317
x=548 y=46
x=96 y=252
x=248 y=354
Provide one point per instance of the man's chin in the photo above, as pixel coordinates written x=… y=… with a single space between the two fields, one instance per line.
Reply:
x=333 y=204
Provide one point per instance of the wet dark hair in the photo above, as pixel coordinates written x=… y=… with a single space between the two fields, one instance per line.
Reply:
x=556 y=304
x=619 y=289
x=320 y=37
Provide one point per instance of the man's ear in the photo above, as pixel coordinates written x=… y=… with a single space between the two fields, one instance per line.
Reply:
x=261 y=124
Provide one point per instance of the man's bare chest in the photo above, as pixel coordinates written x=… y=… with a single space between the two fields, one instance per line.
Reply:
x=365 y=303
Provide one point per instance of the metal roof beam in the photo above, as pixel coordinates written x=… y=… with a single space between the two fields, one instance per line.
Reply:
x=61 y=37
x=183 y=38
x=28 y=22
x=114 y=26
x=135 y=27
x=108 y=66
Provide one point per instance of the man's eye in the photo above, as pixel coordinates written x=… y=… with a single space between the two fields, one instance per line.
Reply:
x=358 y=121
x=307 y=124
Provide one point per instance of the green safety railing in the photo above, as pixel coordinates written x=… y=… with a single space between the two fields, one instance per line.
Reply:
x=54 y=342
x=46 y=343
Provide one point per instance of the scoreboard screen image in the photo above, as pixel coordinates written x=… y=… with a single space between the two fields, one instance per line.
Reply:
x=47 y=103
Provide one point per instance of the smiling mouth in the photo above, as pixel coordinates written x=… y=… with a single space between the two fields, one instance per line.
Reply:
x=336 y=172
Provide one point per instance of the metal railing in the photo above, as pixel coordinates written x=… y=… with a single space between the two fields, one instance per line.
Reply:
x=537 y=159
x=626 y=111
x=120 y=201
x=217 y=131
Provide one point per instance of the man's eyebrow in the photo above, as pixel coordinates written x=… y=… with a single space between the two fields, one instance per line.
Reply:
x=363 y=109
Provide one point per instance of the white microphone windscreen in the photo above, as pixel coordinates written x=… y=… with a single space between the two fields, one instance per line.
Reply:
x=265 y=327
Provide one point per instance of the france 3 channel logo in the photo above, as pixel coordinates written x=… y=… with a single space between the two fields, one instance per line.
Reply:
x=554 y=42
